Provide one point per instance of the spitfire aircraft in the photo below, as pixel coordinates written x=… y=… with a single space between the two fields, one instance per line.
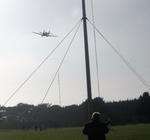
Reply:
x=45 y=34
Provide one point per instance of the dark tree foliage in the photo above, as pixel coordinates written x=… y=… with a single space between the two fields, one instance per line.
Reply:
x=42 y=116
x=144 y=107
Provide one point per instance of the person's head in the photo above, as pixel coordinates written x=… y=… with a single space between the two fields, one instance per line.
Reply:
x=96 y=116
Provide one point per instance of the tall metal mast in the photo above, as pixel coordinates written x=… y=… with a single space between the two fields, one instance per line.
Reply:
x=88 y=77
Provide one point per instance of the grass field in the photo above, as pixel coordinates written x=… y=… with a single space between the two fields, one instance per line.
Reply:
x=128 y=132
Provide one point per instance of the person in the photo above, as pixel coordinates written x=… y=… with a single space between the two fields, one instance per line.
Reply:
x=96 y=129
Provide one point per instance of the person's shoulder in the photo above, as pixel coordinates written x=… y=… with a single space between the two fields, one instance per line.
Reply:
x=88 y=124
x=87 y=128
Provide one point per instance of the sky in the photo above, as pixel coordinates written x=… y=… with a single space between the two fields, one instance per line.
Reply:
x=124 y=22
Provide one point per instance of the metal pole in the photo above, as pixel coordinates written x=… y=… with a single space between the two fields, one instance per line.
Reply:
x=88 y=77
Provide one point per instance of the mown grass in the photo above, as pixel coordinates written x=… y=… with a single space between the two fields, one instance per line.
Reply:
x=128 y=132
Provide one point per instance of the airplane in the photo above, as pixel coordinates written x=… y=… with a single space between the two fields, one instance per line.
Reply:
x=45 y=34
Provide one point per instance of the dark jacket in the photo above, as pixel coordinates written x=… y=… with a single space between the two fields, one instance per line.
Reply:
x=95 y=130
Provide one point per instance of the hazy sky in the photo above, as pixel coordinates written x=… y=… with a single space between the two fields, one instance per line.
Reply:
x=125 y=22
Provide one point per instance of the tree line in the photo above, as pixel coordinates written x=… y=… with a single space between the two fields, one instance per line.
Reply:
x=42 y=116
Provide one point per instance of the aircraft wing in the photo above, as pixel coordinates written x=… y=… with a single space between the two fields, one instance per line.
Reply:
x=37 y=33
